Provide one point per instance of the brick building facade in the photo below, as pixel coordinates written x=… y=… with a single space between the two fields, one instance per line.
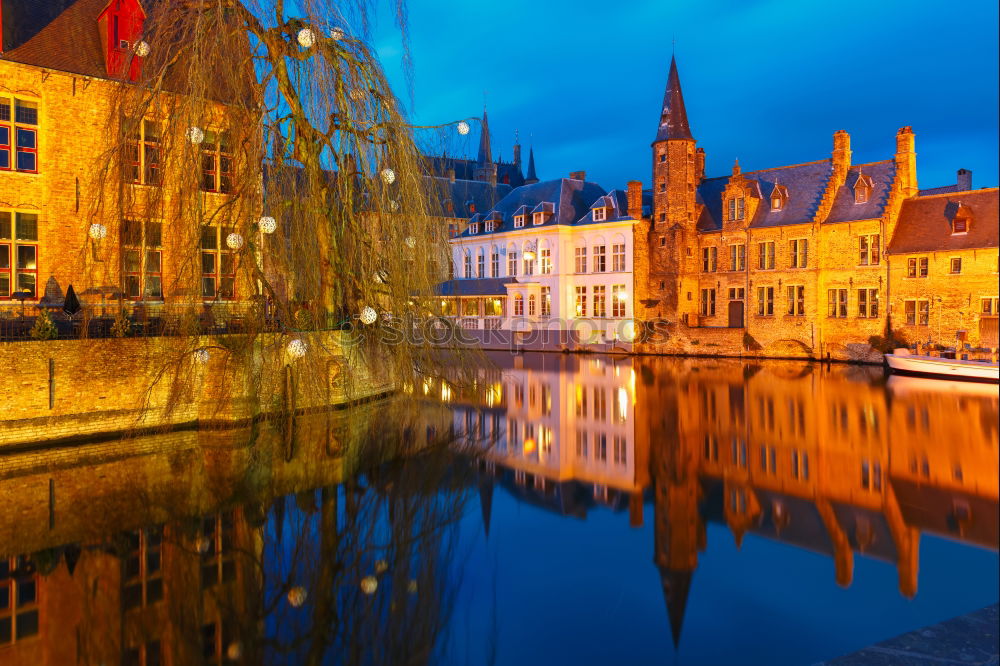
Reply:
x=811 y=259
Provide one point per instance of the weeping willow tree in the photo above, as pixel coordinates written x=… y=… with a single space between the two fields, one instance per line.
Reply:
x=258 y=143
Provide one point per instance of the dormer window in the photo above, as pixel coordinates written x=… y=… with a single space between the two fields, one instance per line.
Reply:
x=600 y=214
x=737 y=208
x=960 y=225
x=518 y=221
x=474 y=228
x=489 y=225
x=538 y=218
x=778 y=197
x=863 y=189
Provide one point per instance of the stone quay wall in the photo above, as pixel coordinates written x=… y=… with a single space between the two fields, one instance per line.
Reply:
x=77 y=389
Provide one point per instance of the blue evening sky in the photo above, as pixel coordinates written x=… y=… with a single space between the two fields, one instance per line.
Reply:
x=765 y=82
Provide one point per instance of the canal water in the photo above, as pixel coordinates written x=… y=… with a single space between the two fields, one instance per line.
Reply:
x=553 y=509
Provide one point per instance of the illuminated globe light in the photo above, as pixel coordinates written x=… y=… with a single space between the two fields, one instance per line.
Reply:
x=195 y=135
x=97 y=231
x=394 y=205
x=297 y=596
x=529 y=255
x=296 y=348
x=369 y=584
x=234 y=241
x=381 y=566
x=142 y=49
x=529 y=446
x=201 y=355
x=368 y=315
x=267 y=225
x=463 y=128
x=411 y=587
x=337 y=34
x=410 y=241
x=358 y=94
x=306 y=38
x=234 y=651
x=388 y=176
x=622 y=296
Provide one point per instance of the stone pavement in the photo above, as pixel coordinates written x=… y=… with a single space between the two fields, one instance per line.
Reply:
x=970 y=640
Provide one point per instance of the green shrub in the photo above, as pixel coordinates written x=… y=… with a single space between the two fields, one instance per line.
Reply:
x=44 y=328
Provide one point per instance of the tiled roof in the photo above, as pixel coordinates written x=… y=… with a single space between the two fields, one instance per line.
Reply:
x=925 y=222
x=617 y=203
x=881 y=176
x=804 y=183
x=474 y=287
x=69 y=43
x=570 y=200
x=465 y=192
x=943 y=189
x=23 y=19
x=673 y=116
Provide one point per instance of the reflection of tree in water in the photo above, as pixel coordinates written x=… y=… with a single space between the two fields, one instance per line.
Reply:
x=343 y=554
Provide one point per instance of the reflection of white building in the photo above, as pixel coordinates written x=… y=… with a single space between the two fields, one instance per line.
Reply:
x=564 y=419
x=557 y=253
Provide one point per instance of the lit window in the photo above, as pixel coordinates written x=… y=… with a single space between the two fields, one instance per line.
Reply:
x=619 y=299
x=796 y=300
x=142 y=257
x=18 y=254
x=18 y=133
x=868 y=303
x=546 y=301
x=600 y=301
x=143 y=154
x=707 y=305
x=868 y=250
x=518 y=305
x=765 y=255
x=216 y=163
x=799 y=249
x=546 y=259
x=218 y=267
x=581 y=301
x=600 y=258
x=776 y=201
x=618 y=257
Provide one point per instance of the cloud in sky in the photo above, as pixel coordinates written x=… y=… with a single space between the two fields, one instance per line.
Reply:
x=767 y=82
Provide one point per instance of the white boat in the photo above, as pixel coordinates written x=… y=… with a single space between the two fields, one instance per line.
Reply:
x=904 y=362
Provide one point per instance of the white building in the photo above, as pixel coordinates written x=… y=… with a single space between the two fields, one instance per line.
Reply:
x=556 y=254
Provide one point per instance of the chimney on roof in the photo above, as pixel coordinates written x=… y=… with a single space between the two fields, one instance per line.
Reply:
x=906 y=162
x=964 y=180
x=634 y=197
x=841 y=156
x=578 y=175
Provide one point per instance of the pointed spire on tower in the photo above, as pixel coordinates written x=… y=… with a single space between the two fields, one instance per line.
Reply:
x=531 y=178
x=673 y=116
x=485 y=153
x=676 y=585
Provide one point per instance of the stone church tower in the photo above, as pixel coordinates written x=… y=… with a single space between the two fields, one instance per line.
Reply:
x=678 y=168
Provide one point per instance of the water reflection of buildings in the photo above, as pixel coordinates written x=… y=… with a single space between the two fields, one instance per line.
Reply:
x=826 y=458
x=185 y=554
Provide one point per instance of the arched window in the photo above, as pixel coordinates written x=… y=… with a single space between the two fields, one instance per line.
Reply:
x=518 y=305
x=494 y=261
x=512 y=260
x=481 y=263
x=468 y=265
